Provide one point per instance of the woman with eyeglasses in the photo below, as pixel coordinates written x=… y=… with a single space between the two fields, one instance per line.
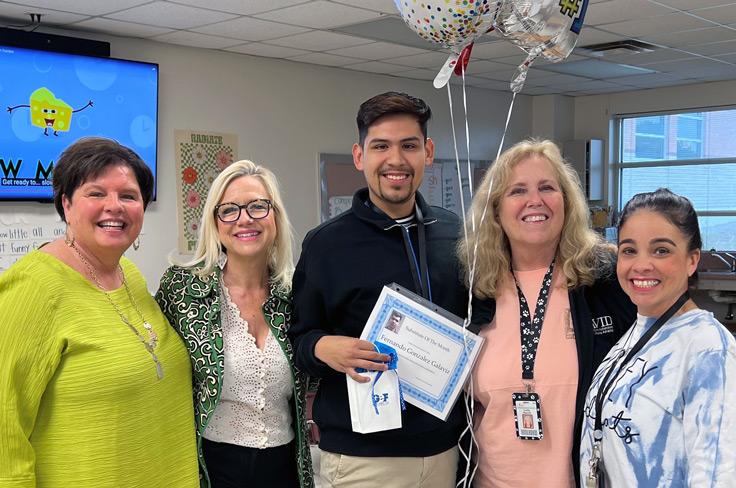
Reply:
x=232 y=305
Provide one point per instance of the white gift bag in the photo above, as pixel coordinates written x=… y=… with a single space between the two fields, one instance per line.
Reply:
x=376 y=405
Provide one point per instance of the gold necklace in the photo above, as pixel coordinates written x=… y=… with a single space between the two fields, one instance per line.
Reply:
x=152 y=341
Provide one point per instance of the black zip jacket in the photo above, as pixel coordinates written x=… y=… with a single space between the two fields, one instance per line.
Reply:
x=601 y=313
x=344 y=264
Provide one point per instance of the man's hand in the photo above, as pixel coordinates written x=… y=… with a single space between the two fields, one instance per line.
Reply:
x=344 y=354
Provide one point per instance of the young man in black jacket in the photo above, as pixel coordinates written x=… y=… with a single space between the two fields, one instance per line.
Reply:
x=389 y=235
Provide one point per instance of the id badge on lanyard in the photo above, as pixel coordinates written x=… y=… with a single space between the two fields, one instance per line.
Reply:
x=528 y=416
x=528 y=405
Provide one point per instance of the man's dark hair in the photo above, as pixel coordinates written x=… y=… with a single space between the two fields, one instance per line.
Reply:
x=391 y=103
x=88 y=158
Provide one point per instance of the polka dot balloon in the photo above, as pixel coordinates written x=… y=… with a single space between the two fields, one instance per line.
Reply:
x=450 y=23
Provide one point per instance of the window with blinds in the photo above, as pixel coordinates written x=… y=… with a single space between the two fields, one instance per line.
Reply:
x=691 y=153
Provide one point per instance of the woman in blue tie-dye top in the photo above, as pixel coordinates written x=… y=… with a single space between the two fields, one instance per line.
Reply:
x=661 y=410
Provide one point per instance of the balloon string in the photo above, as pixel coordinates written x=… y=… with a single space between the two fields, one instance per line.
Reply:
x=457 y=157
x=467 y=479
x=467 y=148
x=468 y=397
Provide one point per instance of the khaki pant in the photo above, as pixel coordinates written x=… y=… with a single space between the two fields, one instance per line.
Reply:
x=341 y=471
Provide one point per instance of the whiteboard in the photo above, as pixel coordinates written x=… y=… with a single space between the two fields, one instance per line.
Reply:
x=21 y=232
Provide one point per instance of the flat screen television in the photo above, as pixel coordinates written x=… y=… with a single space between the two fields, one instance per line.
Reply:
x=51 y=99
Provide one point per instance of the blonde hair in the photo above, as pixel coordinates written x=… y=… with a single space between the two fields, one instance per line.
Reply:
x=280 y=256
x=581 y=254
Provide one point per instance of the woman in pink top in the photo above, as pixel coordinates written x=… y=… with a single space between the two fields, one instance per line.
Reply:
x=547 y=301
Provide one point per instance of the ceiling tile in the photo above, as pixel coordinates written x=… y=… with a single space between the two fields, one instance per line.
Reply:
x=591 y=35
x=418 y=74
x=87 y=7
x=649 y=80
x=195 y=39
x=319 y=41
x=540 y=90
x=266 y=50
x=714 y=49
x=642 y=59
x=724 y=14
x=127 y=29
x=497 y=85
x=247 y=7
x=250 y=29
x=320 y=14
x=378 y=51
x=175 y=16
x=713 y=77
x=594 y=68
x=499 y=75
x=691 y=5
x=388 y=29
x=557 y=80
x=623 y=10
x=648 y=26
x=433 y=60
x=695 y=67
x=376 y=67
x=590 y=85
x=324 y=59
x=51 y=17
x=384 y=6
x=688 y=38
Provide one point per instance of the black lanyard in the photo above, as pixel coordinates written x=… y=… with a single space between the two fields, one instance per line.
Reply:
x=610 y=379
x=419 y=270
x=531 y=329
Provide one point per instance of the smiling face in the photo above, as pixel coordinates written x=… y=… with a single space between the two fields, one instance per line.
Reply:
x=393 y=158
x=532 y=208
x=247 y=238
x=105 y=214
x=654 y=263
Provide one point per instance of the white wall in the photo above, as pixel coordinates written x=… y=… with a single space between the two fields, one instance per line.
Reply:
x=554 y=117
x=284 y=113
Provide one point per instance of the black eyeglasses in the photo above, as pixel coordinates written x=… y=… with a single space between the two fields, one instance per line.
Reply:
x=256 y=209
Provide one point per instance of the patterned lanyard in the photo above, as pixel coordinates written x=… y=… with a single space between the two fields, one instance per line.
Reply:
x=531 y=329
x=610 y=378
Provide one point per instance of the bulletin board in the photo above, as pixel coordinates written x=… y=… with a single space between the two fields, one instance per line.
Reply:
x=339 y=179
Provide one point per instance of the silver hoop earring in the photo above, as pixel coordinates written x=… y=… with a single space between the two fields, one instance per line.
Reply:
x=137 y=243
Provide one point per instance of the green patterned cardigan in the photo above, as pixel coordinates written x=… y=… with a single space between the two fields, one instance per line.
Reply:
x=192 y=306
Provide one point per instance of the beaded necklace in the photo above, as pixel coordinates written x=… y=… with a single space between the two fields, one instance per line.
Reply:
x=152 y=341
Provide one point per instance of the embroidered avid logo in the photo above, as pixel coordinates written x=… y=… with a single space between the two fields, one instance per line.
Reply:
x=602 y=325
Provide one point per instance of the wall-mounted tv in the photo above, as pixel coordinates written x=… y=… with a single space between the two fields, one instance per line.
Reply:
x=51 y=99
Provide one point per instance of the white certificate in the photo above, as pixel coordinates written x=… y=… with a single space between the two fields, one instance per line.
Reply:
x=436 y=354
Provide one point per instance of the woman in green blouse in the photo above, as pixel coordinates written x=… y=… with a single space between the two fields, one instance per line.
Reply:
x=232 y=305
x=94 y=383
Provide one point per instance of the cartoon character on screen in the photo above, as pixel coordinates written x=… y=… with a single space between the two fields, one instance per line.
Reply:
x=50 y=112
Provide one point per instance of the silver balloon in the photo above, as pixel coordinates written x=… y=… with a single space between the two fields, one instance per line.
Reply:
x=547 y=28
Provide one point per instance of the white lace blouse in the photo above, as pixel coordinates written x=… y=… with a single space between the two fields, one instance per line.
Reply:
x=254 y=408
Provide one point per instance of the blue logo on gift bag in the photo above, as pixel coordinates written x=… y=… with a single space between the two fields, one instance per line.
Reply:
x=393 y=363
x=381 y=399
